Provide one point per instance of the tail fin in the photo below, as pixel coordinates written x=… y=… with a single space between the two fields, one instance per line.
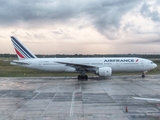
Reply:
x=21 y=50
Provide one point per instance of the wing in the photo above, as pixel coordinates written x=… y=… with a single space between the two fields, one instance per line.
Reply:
x=147 y=99
x=80 y=67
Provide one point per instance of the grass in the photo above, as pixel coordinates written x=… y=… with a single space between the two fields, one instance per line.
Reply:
x=7 y=70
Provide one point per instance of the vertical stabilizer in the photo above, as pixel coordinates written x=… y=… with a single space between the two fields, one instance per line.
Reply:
x=21 y=51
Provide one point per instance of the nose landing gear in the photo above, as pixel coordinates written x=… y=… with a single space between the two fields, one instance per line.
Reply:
x=143 y=74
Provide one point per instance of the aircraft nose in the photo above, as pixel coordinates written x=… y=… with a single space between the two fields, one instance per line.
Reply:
x=155 y=65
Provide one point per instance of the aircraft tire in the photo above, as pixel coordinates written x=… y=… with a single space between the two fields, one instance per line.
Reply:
x=143 y=76
x=86 y=77
x=80 y=77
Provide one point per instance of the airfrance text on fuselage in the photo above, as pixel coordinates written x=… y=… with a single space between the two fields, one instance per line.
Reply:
x=120 y=60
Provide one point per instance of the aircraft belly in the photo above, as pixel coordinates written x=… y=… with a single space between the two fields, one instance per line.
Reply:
x=123 y=68
x=51 y=68
x=56 y=68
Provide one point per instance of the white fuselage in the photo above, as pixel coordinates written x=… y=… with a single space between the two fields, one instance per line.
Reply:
x=126 y=64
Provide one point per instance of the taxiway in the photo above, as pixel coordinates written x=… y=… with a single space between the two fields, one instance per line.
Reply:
x=65 y=98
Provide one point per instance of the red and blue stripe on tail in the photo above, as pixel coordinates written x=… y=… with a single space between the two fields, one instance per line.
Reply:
x=21 y=50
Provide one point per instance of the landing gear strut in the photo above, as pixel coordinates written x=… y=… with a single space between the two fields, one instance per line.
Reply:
x=82 y=76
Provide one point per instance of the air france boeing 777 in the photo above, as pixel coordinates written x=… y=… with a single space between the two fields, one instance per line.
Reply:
x=100 y=66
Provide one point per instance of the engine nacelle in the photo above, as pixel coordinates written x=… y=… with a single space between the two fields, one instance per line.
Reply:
x=104 y=72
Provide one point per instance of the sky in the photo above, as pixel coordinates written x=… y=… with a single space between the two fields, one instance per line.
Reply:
x=81 y=26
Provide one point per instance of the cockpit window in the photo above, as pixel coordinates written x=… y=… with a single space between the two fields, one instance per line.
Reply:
x=151 y=62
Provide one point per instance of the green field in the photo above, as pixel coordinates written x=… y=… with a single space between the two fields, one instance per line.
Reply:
x=7 y=70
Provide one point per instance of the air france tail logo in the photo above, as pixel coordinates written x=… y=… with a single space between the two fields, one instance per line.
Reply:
x=21 y=51
x=19 y=54
x=137 y=60
x=120 y=60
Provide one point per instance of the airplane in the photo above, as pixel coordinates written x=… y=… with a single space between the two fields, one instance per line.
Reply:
x=103 y=67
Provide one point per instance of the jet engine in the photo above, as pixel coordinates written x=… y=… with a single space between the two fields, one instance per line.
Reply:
x=104 y=72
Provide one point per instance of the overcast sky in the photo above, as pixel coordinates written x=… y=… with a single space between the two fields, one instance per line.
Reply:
x=81 y=26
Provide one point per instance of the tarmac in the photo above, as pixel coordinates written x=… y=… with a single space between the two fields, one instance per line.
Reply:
x=66 y=98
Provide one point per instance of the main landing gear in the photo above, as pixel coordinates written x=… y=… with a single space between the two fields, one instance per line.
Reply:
x=82 y=76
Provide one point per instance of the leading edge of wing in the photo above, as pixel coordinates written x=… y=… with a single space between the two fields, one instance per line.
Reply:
x=77 y=65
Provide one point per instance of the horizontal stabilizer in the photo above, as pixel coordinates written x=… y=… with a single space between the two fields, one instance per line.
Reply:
x=19 y=63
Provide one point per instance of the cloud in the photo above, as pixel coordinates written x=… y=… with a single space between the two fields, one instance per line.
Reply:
x=105 y=15
x=154 y=41
x=93 y=25
x=150 y=11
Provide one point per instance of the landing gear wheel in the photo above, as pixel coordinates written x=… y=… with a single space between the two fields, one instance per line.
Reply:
x=81 y=77
x=143 y=76
x=86 y=77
